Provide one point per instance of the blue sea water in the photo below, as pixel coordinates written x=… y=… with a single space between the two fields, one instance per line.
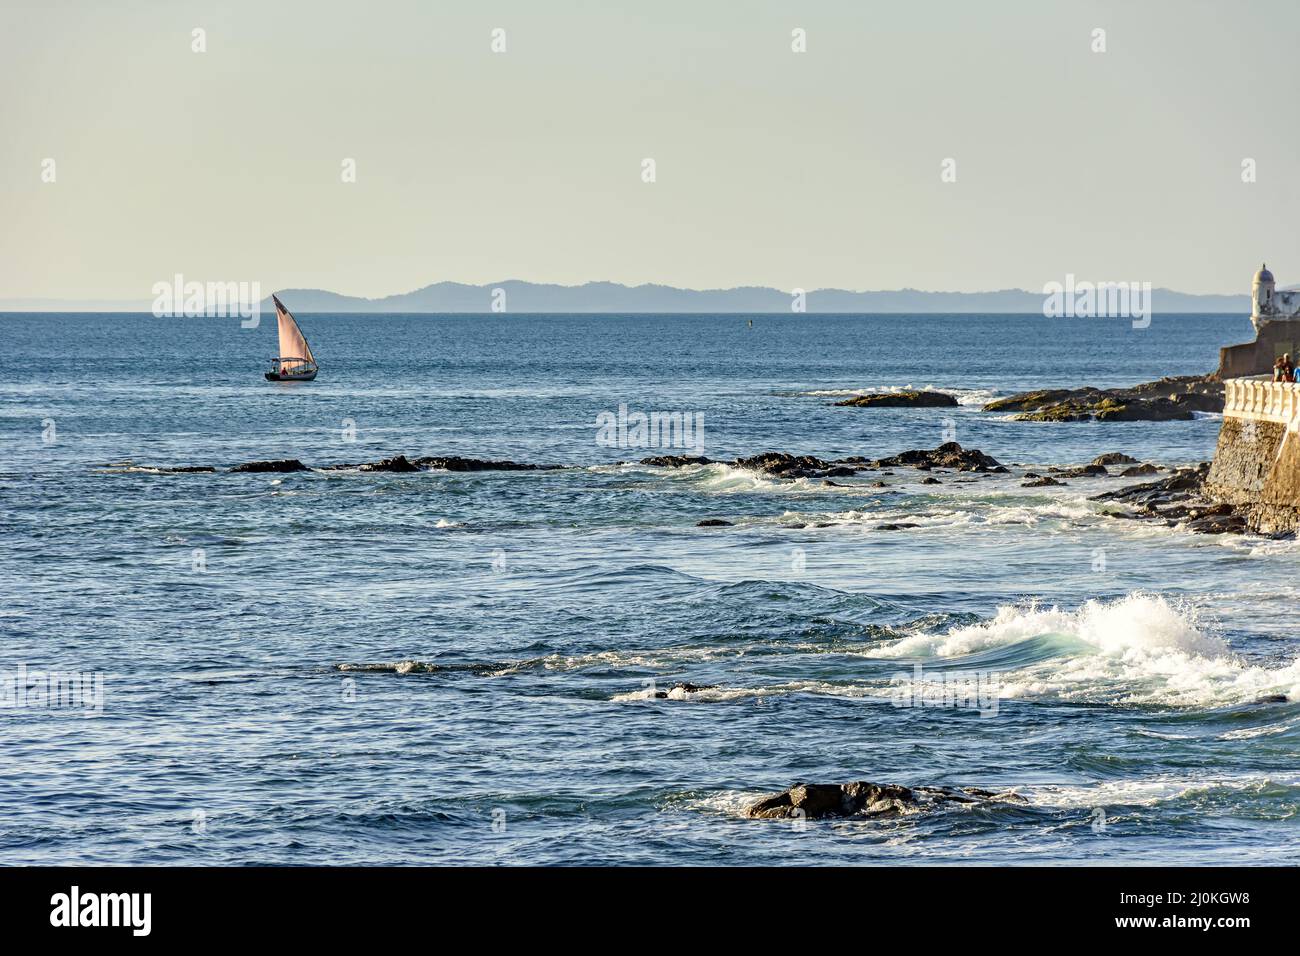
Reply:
x=1126 y=661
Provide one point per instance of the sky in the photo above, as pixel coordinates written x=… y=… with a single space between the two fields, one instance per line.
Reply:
x=772 y=167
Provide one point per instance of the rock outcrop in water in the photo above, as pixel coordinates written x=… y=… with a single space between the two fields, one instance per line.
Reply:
x=280 y=466
x=398 y=464
x=675 y=461
x=1168 y=399
x=778 y=464
x=455 y=463
x=906 y=399
x=1180 y=499
x=948 y=455
x=1114 y=458
x=862 y=798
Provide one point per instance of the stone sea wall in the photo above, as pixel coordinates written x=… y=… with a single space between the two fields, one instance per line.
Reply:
x=1257 y=461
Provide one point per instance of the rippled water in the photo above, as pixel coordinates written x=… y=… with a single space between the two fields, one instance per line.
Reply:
x=1128 y=661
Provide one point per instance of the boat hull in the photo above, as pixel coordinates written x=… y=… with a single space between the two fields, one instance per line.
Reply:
x=290 y=377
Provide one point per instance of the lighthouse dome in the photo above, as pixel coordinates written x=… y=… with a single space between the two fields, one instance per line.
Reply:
x=1263 y=275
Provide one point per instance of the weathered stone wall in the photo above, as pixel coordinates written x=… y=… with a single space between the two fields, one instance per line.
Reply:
x=1257 y=466
x=1278 y=509
x=1243 y=459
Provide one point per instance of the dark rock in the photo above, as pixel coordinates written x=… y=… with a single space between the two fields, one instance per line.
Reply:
x=899 y=526
x=676 y=461
x=930 y=480
x=1180 y=499
x=1031 y=401
x=1272 y=699
x=866 y=799
x=781 y=465
x=1082 y=471
x=908 y=399
x=1169 y=399
x=1137 y=471
x=713 y=523
x=1183 y=479
x=1114 y=458
x=282 y=465
x=1040 y=481
x=948 y=455
x=455 y=463
x=396 y=464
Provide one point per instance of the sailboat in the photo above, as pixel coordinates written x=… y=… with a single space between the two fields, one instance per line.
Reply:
x=295 y=363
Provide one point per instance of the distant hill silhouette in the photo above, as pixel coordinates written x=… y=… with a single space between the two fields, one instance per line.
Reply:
x=613 y=297
x=616 y=298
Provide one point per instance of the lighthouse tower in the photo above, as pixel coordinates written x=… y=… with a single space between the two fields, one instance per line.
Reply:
x=1261 y=295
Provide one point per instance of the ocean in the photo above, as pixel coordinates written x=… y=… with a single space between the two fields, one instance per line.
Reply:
x=342 y=667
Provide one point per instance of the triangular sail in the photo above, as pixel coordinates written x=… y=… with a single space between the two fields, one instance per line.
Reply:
x=294 y=350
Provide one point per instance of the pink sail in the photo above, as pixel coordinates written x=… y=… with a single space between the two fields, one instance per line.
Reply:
x=294 y=350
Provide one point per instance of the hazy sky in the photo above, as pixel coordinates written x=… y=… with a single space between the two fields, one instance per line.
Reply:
x=773 y=168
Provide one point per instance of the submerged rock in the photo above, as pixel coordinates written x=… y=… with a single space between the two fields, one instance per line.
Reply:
x=1168 y=399
x=906 y=399
x=896 y=526
x=713 y=523
x=1040 y=481
x=863 y=798
x=280 y=465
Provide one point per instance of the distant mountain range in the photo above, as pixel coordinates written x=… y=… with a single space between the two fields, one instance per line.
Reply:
x=612 y=297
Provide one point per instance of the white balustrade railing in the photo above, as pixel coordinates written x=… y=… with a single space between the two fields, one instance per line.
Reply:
x=1262 y=400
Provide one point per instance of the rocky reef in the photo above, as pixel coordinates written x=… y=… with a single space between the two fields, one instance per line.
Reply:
x=398 y=464
x=861 y=798
x=278 y=466
x=779 y=464
x=1168 y=399
x=948 y=455
x=1180 y=499
x=904 y=399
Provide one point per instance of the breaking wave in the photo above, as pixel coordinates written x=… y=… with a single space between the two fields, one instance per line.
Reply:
x=1139 y=649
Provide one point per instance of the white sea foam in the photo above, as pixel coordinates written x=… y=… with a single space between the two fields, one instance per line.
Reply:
x=1140 y=649
x=964 y=396
x=1150 y=792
